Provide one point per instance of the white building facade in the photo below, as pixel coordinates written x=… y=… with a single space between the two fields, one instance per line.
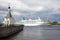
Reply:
x=8 y=20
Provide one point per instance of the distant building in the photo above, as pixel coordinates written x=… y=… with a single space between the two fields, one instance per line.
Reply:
x=8 y=20
x=48 y=21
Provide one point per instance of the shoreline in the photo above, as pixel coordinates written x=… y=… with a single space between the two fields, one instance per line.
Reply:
x=55 y=25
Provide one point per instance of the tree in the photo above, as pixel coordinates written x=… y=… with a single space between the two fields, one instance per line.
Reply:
x=55 y=23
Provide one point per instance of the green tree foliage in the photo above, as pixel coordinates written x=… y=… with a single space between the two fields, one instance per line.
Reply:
x=1 y=24
x=55 y=23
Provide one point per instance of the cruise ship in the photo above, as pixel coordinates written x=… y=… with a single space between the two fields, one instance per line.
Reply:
x=31 y=22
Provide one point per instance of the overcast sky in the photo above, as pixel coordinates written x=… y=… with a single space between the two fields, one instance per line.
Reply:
x=30 y=8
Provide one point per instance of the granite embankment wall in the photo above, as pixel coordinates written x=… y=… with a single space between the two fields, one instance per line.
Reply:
x=9 y=30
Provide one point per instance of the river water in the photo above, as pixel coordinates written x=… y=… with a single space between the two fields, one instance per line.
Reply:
x=37 y=33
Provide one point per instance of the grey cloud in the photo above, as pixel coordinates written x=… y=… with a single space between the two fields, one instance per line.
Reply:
x=3 y=8
x=51 y=7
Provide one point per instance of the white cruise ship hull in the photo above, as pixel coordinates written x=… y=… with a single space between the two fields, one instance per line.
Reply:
x=33 y=24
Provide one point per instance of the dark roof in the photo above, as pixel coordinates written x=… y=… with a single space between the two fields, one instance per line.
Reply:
x=9 y=13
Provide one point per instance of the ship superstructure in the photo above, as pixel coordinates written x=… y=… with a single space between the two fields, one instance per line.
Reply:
x=31 y=22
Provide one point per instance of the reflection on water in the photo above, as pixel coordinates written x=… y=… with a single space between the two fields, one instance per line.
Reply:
x=37 y=33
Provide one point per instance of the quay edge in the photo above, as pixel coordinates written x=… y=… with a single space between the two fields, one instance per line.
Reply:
x=6 y=31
